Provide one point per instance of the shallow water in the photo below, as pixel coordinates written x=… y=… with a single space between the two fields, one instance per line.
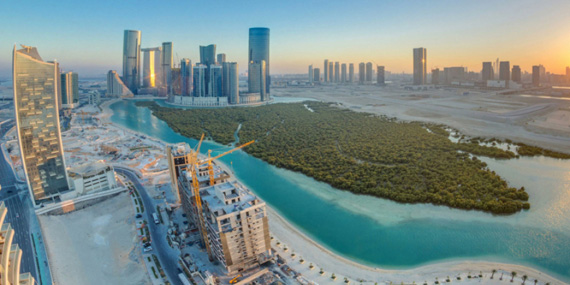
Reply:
x=383 y=233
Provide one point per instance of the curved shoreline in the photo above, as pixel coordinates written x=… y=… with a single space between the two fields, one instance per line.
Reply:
x=324 y=258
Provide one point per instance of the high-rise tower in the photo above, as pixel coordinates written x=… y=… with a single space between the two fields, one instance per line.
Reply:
x=337 y=72
x=167 y=66
x=343 y=73
x=152 y=67
x=259 y=51
x=131 y=59
x=487 y=73
x=37 y=120
x=420 y=66
x=186 y=76
x=326 y=70
x=351 y=72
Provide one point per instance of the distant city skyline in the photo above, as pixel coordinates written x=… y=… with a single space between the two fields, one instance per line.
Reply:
x=525 y=33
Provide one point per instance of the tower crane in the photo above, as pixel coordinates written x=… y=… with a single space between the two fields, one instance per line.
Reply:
x=210 y=159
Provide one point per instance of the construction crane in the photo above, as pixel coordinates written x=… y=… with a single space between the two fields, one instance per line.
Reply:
x=210 y=159
x=202 y=225
x=235 y=279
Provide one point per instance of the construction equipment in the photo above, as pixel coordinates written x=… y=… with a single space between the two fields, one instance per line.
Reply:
x=210 y=159
x=235 y=279
x=202 y=225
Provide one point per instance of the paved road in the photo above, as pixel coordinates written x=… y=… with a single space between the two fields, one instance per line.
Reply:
x=164 y=252
x=18 y=204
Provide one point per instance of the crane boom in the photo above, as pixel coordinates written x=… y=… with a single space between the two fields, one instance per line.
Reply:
x=202 y=225
x=210 y=159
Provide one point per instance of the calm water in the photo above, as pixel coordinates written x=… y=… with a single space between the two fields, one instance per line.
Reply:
x=391 y=235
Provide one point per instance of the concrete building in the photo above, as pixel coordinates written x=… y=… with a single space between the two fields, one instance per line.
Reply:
x=221 y=58
x=92 y=177
x=567 y=72
x=337 y=72
x=69 y=90
x=216 y=84
x=380 y=78
x=199 y=80
x=311 y=74
x=326 y=71
x=317 y=75
x=116 y=87
x=516 y=74
x=343 y=73
x=10 y=255
x=186 y=77
x=256 y=79
x=236 y=224
x=231 y=82
x=536 y=75
x=453 y=75
x=435 y=76
x=167 y=64
x=369 y=72
x=131 y=59
x=152 y=67
x=505 y=72
x=93 y=98
x=37 y=124
x=351 y=72
x=259 y=51
x=361 y=73
x=487 y=72
x=331 y=72
x=420 y=66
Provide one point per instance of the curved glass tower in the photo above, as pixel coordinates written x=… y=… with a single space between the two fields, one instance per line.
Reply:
x=132 y=59
x=259 y=51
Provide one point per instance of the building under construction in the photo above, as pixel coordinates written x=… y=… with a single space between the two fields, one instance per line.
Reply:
x=232 y=221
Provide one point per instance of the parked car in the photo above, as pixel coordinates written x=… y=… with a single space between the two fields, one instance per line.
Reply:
x=147 y=249
x=138 y=216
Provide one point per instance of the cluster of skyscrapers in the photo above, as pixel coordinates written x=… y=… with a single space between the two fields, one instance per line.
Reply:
x=211 y=82
x=335 y=72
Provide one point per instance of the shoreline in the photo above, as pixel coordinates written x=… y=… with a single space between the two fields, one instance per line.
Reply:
x=289 y=234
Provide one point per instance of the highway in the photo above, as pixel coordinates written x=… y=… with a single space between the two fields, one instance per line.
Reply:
x=19 y=204
x=166 y=255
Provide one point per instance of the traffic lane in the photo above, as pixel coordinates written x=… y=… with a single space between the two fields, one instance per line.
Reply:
x=18 y=218
x=159 y=243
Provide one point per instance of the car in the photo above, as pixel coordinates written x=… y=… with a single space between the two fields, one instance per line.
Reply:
x=138 y=216
x=146 y=244
x=147 y=249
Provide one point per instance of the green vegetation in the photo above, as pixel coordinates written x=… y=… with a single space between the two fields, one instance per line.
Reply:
x=528 y=150
x=359 y=152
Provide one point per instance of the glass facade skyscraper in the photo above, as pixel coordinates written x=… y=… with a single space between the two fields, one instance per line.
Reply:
x=37 y=120
x=186 y=76
x=132 y=59
x=259 y=51
x=69 y=89
x=167 y=66
x=420 y=66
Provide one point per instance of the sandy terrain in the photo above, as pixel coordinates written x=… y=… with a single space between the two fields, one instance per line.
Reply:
x=529 y=119
x=103 y=235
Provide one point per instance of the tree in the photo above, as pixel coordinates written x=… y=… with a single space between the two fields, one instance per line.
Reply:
x=524 y=278
x=494 y=271
x=513 y=274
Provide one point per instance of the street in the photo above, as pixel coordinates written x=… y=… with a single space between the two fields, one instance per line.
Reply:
x=166 y=255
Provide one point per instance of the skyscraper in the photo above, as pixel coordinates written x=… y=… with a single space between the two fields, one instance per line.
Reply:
x=186 y=76
x=256 y=79
x=116 y=87
x=420 y=66
x=221 y=58
x=369 y=72
x=259 y=51
x=326 y=71
x=567 y=72
x=505 y=72
x=167 y=66
x=516 y=74
x=331 y=71
x=37 y=123
x=231 y=82
x=487 y=72
x=311 y=75
x=380 y=80
x=435 y=76
x=343 y=73
x=199 y=80
x=351 y=72
x=152 y=67
x=337 y=72
x=317 y=75
x=207 y=58
x=216 y=84
x=536 y=75
x=361 y=72
x=131 y=59
x=69 y=89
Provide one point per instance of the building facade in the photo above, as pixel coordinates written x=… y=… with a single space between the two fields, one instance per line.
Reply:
x=351 y=72
x=317 y=75
x=435 y=76
x=505 y=72
x=92 y=177
x=343 y=73
x=311 y=74
x=361 y=73
x=487 y=72
x=116 y=87
x=516 y=74
x=10 y=255
x=167 y=67
x=256 y=79
x=199 y=80
x=37 y=124
x=331 y=71
x=420 y=66
x=337 y=72
x=231 y=82
x=369 y=72
x=536 y=75
x=69 y=89
x=221 y=58
x=152 y=67
x=131 y=59
x=380 y=77
x=326 y=71
x=186 y=77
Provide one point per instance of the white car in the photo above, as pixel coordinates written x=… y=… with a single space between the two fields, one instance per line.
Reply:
x=147 y=249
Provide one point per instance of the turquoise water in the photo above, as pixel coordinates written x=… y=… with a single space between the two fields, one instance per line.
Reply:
x=382 y=233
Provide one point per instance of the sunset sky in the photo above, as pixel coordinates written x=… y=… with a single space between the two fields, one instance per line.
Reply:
x=87 y=36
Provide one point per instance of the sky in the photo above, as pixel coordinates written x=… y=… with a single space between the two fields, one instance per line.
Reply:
x=87 y=36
